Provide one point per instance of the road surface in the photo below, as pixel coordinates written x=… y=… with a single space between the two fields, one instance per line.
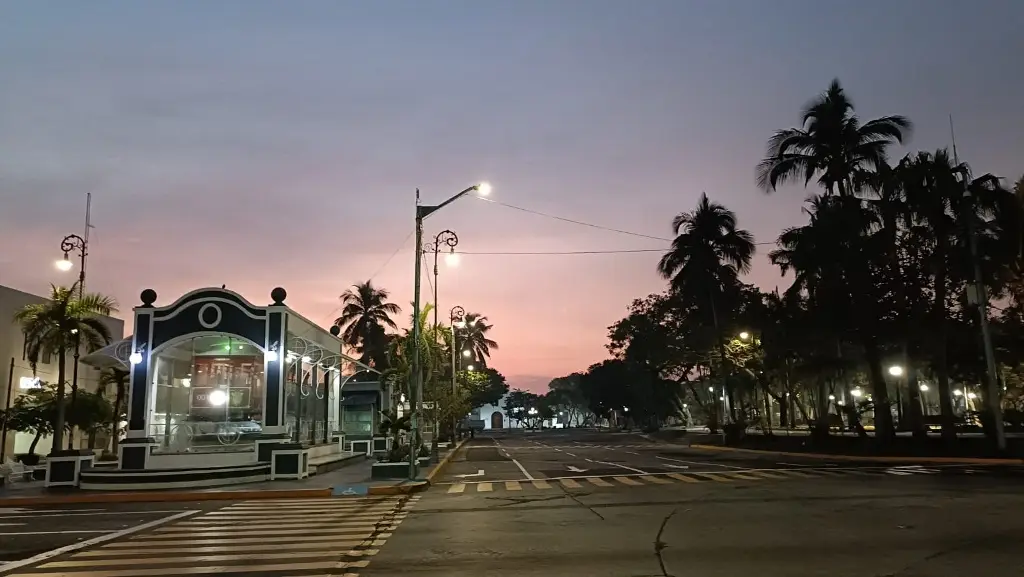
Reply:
x=570 y=503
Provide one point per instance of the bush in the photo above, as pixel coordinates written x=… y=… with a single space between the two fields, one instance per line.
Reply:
x=735 y=432
x=400 y=454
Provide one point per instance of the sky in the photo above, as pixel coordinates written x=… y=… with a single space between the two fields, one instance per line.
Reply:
x=267 y=143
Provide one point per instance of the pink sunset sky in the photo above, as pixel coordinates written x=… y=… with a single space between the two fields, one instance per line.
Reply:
x=254 y=145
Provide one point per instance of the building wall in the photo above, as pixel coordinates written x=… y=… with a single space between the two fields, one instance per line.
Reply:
x=12 y=345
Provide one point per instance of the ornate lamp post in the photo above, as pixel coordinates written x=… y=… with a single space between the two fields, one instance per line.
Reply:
x=443 y=239
x=457 y=316
x=72 y=243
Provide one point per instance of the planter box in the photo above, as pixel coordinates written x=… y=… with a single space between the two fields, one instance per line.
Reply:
x=396 y=470
x=389 y=471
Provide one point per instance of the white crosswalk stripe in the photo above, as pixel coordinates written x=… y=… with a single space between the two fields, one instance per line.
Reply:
x=293 y=537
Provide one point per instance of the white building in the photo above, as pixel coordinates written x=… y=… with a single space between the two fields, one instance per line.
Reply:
x=498 y=417
x=12 y=350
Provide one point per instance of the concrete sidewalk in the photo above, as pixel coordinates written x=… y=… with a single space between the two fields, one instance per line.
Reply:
x=352 y=480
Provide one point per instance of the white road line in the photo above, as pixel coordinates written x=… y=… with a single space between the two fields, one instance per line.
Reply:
x=632 y=452
x=20 y=510
x=642 y=472
x=76 y=532
x=11 y=524
x=523 y=469
x=570 y=454
x=27 y=516
x=90 y=542
x=700 y=463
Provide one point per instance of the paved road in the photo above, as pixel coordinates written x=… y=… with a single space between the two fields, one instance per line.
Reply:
x=572 y=503
x=773 y=518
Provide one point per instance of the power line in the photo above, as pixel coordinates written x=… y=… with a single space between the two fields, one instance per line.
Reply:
x=377 y=272
x=587 y=224
x=572 y=221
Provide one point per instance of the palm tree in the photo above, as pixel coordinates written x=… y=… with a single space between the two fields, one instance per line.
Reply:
x=706 y=258
x=53 y=327
x=835 y=259
x=365 y=317
x=832 y=145
x=473 y=337
x=119 y=379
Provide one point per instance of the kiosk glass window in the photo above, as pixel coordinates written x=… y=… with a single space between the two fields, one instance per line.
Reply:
x=208 y=395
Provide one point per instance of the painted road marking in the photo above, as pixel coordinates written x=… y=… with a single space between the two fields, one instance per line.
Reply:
x=661 y=479
x=682 y=478
x=656 y=480
x=641 y=471
x=335 y=543
x=523 y=469
x=92 y=542
x=513 y=486
x=701 y=463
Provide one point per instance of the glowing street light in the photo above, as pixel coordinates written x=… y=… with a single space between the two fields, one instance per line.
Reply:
x=65 y=264
x=856 y=393
x=744 y=335
x=469 y=368
x=896 y=371
x=467 y=353
x=924 y=388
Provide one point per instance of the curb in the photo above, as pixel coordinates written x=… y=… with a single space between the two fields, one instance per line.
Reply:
x=444 y=461
x=180 y=496
x=402 y=489
x=870 y=459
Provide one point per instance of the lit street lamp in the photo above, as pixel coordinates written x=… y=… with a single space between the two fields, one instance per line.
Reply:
x=896 y=371
x=422 y=212
x=744 y=335
x=73 y=243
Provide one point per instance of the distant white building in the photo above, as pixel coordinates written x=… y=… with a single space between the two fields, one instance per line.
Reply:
x=497 y=417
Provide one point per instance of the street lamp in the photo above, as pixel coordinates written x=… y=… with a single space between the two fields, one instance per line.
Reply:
x=72 y=243
x=456 y=315
x=470 y=368
x=896 y=371
x=443 y=238
x=744 y=335
x=422 y=212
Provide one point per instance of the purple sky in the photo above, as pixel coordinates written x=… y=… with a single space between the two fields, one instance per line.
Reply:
x=258 y=144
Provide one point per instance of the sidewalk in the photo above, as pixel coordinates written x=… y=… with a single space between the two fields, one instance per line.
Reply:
x=352 y=480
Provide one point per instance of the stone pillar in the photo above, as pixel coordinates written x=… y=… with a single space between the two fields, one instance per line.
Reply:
x=134 y=449
x=274 y=367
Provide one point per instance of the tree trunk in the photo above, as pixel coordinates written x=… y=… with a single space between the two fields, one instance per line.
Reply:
x=35 y=441
x=947 y=418
x=726 y=387
x=880 y=390
x=914 y=389
x=58 y=421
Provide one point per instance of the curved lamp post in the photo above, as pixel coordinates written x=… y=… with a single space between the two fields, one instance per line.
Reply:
x=422 y=212
x=456 y=315
x=72 y=243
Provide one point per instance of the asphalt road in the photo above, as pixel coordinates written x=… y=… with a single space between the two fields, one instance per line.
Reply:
x=770 y=517
x=567 y=503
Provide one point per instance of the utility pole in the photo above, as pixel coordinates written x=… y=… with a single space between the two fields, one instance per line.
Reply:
x=979 y=296
x=7 y=410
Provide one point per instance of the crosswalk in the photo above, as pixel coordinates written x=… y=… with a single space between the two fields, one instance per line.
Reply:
x=729 y=476
x=308 y=537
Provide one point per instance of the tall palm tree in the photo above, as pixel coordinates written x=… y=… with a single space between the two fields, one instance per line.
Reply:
x=706 y=258
x=51 y=328
x=119 y=380
x=365 y=316
x=831 y=145
x=473 y=337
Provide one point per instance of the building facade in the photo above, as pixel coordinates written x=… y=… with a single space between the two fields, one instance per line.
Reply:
x=23 y=378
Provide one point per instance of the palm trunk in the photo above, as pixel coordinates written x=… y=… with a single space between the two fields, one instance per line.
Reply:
x=726 y=388
x=58 y=421
x=883 y=410
x=941 y=364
